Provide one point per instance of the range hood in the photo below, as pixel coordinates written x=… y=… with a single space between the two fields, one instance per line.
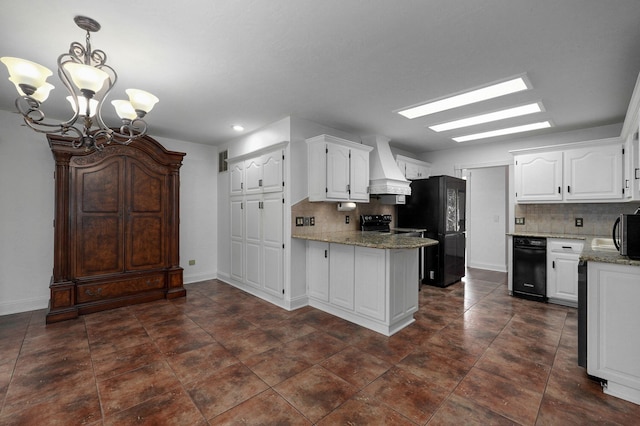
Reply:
x=385 y=178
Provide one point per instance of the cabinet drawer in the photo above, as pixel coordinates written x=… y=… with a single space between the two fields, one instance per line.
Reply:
x=112 y=289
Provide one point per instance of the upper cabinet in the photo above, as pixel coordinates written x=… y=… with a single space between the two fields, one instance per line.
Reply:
x=260 y=174
x=338 y=169
x=583 y=172
x=413 y=169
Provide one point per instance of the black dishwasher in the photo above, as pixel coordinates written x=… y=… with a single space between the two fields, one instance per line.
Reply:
x=530 y=268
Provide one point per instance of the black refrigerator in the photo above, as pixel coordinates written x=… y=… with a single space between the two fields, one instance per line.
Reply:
x=437 y=204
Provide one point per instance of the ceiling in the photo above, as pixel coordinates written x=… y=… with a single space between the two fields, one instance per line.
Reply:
x=348 y=64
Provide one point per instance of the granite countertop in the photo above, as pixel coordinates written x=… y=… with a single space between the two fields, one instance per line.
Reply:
x=378 y=240
x=588 y=253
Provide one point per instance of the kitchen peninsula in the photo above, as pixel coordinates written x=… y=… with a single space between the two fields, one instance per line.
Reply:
x=368 y=278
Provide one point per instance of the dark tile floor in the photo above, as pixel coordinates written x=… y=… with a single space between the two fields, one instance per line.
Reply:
x=475 y=355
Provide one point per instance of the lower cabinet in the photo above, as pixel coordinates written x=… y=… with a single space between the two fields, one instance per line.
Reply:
x=375 y=288
x=613 y=320
x=562 y=271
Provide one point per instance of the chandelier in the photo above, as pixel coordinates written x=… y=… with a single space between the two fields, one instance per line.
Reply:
x=89 y=80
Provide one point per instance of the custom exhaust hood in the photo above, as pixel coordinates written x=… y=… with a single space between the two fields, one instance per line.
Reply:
x=385 y=178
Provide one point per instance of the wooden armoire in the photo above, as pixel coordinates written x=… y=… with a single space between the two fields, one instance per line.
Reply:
x=116 y=227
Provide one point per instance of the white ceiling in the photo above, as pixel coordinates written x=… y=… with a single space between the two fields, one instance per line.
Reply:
x=347 y=64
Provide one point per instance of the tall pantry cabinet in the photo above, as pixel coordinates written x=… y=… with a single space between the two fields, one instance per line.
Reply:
x=116 y=227
x=257 y=222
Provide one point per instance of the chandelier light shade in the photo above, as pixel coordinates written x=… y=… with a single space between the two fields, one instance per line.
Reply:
x=89 y=80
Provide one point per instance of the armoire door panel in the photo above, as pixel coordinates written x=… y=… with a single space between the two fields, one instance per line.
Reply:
x=99 y=188
x=146 y=242
x=146 y=190
x=99 y=246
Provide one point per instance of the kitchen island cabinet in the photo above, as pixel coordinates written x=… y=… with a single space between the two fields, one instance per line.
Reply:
x=366 y=278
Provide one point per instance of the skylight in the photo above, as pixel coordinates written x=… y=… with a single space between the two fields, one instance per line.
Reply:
x=489 y=92
x=488 y=118
x=506 y=131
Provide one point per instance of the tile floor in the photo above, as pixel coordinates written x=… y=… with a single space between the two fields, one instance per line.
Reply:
x=475 y=355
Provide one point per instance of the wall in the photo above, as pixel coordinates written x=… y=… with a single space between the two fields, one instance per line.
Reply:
x=26 y=214
x=329 y=219
x=597 y=218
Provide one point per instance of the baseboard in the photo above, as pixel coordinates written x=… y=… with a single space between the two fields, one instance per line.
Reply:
x=23 y=305
x=189 y=279
x=488 y=266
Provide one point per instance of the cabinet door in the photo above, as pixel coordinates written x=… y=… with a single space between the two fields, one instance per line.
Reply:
x=318 y=270
x=403 y=285
x=237 y=239
x=562 y=277
x=253 y=241
x=402 y=165
x=236 y=178
x=98 y=235
x=593 y=173
x=146 y=225
x=253 y=176
x=359 y=176
x=337 y=172
x=538 y=177
x=613 y=341
x=272 y=240
x=272 y=171
x=370 y=280
x=341 y=275
x=416 y=171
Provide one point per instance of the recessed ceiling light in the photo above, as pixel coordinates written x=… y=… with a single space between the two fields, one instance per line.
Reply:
x=237 y=127
x=488 y=92
x=501 y=132
x=489 y=117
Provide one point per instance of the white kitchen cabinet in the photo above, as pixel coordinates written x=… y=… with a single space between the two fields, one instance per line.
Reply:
x=236 y=171
x=338 y=170
x=583 y=172
x=272 y=244
x=613 y=320
x=257 y=175
x=318 y=270
x=593 y=173
x=632 y=168
x=562 y=271
x=263 y=242
x=538 y=177
x=413 y=169
x=404 y=291
x=237 y=238
x=370 y=280
x=375 y=288
x=341 y=275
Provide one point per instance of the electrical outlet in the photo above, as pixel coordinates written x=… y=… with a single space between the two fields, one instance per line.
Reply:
x=192 y=262
x=519 y=220
x=346 y=219
x=306 y=221
x=299 y=221
x=312 y=221
x=578 y=221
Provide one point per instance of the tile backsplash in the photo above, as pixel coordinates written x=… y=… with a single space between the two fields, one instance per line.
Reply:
x=597 y=218
x=329 y=219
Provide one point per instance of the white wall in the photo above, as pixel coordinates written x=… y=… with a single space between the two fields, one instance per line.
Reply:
x=27 y=208
x=198 y=208
x=486 y=218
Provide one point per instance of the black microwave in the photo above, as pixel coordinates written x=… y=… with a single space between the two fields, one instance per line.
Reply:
x=626 y=235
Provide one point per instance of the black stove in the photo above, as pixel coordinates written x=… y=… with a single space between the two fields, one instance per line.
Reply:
x=375 y=222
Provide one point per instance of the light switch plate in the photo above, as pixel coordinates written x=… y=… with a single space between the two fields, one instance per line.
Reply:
x=579 y=222
x=299 y=221
x=519 y=220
